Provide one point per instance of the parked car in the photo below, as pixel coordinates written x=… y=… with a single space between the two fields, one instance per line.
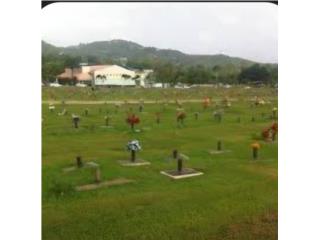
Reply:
x=81 y=85
x=55 y=84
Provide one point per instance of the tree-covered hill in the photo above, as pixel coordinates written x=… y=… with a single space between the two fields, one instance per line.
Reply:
x=120 y=49
x=170 y=66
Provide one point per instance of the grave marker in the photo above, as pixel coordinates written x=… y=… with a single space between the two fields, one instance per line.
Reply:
x=196 y=115
x=179 y=165
x=133 y=120
x=75 y=120
x=219 y=145
x=79 y=162
x=133 y=146
x=255 y=149
x=175 y=154
x=97 y=175
x=217 y=116
x=107 y=119
x=52 y=108
x=158 y=118
x=181 y=115
x=180 y=172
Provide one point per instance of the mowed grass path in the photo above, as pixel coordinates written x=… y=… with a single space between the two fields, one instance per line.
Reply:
x=236 y=198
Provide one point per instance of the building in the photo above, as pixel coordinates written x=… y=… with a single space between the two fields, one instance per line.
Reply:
x=114 y=75
x=142 y=78
x=82 y=74
x=104 y=75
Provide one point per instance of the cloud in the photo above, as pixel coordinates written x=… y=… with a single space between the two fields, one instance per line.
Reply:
x=247 y=30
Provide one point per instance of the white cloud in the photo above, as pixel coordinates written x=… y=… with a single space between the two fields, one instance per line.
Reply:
x=247 y=30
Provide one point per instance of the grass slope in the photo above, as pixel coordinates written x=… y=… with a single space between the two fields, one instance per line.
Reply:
x=236 y=198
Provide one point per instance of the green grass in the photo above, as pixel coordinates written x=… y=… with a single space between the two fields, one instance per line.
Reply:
x=236 y=198
x=107 y=94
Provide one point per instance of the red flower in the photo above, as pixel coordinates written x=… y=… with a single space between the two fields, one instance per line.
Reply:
x=266 y=133
x=206 y=102
x=274 y=127
x=181 y=115
x=133 y=119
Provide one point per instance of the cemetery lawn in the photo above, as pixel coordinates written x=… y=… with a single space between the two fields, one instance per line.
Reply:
x=236 y=198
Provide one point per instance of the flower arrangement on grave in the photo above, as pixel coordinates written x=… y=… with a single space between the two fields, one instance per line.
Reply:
x=274 y=127
x=132 y=119
x=206 y=102
x=274 y=131
x=226 y=102
x=270 y=132
x=181 y=115
x=179 y=104
x=255 y=149
x=258 y=101
x=133 y=146
x=266 y=134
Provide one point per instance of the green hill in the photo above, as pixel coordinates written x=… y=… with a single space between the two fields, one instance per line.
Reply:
x=130 y=51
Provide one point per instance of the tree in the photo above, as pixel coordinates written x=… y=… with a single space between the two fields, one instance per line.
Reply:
x=255 y=73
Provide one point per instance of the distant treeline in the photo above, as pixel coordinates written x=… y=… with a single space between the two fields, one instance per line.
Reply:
x=167 y=72
x=227 y=74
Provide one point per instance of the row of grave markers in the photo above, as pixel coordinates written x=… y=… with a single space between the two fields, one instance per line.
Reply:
x=134 y=146
x=133 y=119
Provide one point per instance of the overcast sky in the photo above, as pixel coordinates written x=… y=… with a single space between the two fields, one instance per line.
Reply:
x=247 y=30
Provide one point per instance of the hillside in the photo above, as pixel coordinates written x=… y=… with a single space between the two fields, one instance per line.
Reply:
x=119 y=49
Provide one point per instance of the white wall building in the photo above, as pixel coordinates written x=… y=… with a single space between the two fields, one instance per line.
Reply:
x=113 y=75
x=105 y=75
x=141 y=77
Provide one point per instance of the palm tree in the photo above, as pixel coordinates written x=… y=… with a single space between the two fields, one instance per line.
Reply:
x=125 y=76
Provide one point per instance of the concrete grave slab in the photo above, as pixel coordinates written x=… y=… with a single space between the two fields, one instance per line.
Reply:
x=185 y=173
x=113 y=182
x=219 y=152
x=85 y=165
x=138 y=162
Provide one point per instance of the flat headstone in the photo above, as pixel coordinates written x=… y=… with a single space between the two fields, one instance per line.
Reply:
x=91 y=164
x=219 y=152
x=69 y=169
x=185 y=173
x=107 y=126
x=113 y=182
x=85 y=165
x=138 y=162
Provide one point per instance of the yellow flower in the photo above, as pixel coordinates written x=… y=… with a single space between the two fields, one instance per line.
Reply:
x=255 y=145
